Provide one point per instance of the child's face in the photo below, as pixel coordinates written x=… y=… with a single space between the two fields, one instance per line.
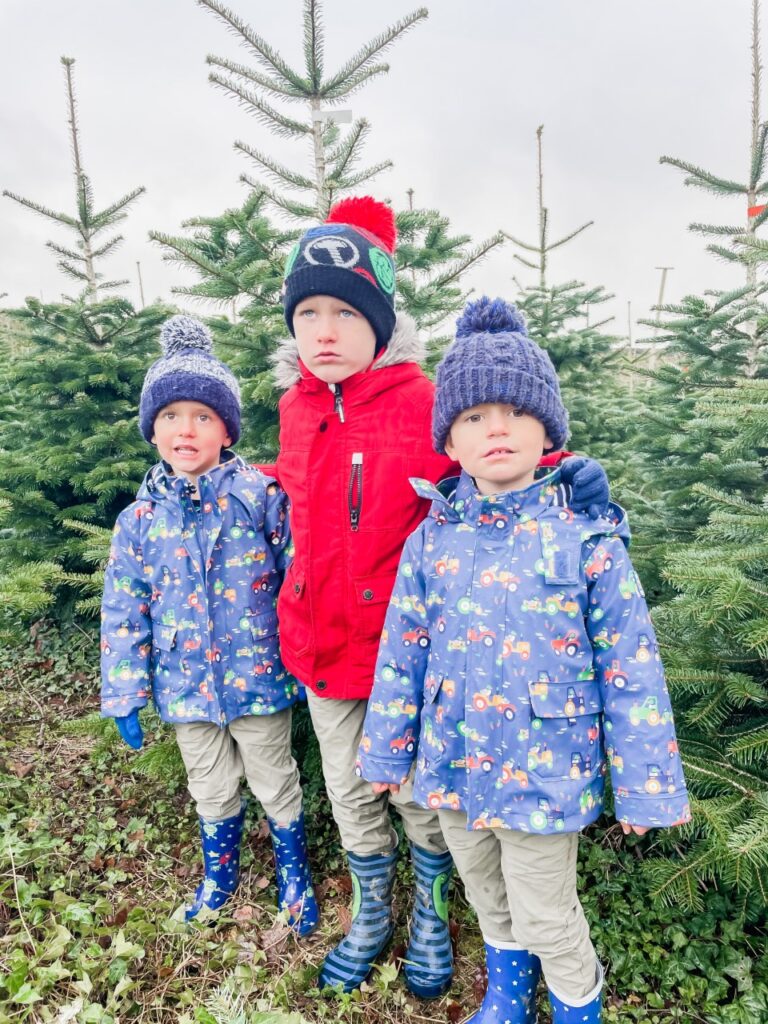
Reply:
x=334 y=340
x=190 y=436
x=497 y=445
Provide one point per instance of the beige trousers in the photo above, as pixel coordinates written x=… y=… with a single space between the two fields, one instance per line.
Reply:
x=257 y=746
x=360 y=814
x=523 y=888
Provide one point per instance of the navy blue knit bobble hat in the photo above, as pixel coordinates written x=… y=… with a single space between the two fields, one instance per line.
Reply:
x=188 y=371
x=494 y=360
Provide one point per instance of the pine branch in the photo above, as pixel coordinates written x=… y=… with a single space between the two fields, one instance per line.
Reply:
x=61 y=218
x=361 y=61
x=704 y=180
x=276 y=170
x=279 y=123
x=313 y=44
x=272 y=85
x=261 y=50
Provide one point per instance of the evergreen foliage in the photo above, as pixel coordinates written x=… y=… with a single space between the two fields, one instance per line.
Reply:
x=336 y=154
x=71 y=449
x=715 y=635
x=86 y=223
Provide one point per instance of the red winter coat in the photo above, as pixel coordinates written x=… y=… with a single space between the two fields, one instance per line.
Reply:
x=352 y=506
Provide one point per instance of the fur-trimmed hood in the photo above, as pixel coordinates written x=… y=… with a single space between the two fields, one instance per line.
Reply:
x=405 y=346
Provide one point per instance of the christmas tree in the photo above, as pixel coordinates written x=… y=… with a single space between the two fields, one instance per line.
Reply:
x=715 y=642
x=86 y=223
x=586 y=358
x=335 y=155
x=72 y=452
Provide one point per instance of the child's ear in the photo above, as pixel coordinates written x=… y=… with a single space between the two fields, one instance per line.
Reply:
x=450 y=451
x=153 y=439
x=227 y=441
x=548 y=446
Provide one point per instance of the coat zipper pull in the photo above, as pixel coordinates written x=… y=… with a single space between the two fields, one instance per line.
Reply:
x=338 y=402
x=355 y=493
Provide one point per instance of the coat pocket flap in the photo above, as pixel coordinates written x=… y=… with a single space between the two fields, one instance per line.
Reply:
x=164 y=637
x=263 y=625
x=565 y=700
x=432 y=684
x=373 y=589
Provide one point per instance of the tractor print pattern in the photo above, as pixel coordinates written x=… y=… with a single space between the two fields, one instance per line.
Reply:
x=189 y=599
x=518 y=663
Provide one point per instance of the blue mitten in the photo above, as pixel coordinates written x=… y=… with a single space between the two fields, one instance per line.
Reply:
x=129 y=728
x=589 y=483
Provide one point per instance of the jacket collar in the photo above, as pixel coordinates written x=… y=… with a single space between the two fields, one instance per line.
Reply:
x=161 y=484
x=405 y=346
x=458 y=499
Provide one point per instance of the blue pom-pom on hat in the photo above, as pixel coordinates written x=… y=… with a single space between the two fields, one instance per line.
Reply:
x=188 y=371
x=184 y=332
x=493 y=316
x=494 y=360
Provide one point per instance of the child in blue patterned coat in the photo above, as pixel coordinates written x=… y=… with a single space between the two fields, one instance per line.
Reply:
x=189 y=617
x=518 y=664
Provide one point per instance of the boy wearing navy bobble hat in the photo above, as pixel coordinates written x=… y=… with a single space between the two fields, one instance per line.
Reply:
x=188 y=616
x=539 y=669
x=355 y=424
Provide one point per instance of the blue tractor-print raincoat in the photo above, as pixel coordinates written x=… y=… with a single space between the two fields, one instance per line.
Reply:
x=188 y=612
x=518 y=661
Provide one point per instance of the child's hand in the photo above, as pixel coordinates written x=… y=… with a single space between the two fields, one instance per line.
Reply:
x=639 y=830
x=385 y=787
x=129 y=728
x=591 y=492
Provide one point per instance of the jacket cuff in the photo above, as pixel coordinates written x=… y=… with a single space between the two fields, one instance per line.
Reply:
x=384 y=769
x=653 y=812
x=121 y=705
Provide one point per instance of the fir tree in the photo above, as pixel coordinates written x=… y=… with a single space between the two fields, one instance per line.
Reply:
x=335 y=155
x=715 y=642
x=71 y=449
x=558 y=318
x=86 y=223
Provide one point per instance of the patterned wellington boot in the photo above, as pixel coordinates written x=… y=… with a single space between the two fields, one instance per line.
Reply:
x=221 y=859
x=294 y=880
x=588 y=1010
x=350 y=963
x=429 y=958
x=513 y=975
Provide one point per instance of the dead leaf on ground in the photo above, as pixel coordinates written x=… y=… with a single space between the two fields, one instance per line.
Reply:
x=454 y=1012
x=262 y=882
x=345 y=919
x=479 y=984
x=21 y=769
x=243 y=914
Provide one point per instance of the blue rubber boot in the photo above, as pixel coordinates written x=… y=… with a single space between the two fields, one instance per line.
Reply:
x=221 y=859
x=350 y=963
x=513 y=975
x=588 y=1010
x=294 y=880
x=429 y=958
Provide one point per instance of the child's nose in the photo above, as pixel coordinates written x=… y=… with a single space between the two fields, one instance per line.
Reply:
x=498 y=423
x=326 y=329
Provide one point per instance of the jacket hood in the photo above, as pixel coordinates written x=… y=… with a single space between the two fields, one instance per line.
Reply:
x=159 y=484
x=405 y=346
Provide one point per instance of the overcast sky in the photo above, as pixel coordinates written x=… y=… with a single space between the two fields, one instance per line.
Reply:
x=616 y=84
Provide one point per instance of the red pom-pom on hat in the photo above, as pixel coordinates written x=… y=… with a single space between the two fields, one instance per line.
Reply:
x=369 y=214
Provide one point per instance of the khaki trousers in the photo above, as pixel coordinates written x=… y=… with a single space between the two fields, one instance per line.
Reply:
x=257 y=746
x=360 y=814
x=523 y=888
